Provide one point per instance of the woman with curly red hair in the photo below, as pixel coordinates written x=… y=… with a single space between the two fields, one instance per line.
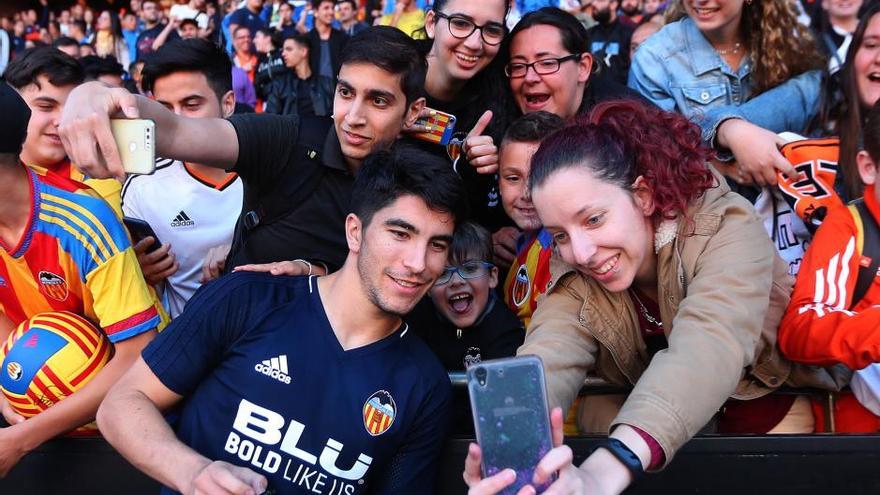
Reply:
x=666 y=282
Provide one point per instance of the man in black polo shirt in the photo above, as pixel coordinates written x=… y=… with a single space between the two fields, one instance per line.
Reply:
x=297 y=173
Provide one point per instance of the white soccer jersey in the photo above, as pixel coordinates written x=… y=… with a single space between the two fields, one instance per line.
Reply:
x=188 y=212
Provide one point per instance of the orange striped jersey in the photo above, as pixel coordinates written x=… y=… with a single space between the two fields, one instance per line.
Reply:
x=812 y=194
x=109 y=189
x=529 y=274
x=821 y=325
x=75 y=256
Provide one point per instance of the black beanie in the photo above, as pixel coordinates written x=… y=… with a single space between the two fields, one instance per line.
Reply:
x=14 y=117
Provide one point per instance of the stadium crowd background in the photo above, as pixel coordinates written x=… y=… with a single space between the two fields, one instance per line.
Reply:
x=780 y=102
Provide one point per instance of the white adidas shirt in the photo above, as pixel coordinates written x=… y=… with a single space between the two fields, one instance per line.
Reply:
x=187 y=212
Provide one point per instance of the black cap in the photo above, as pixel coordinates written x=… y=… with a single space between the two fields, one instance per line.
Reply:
x=13 y=119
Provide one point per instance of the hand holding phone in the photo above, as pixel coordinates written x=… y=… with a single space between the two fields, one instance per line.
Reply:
x=140 y=230
x=509 y=404
x=135 y=140
x=434 y=126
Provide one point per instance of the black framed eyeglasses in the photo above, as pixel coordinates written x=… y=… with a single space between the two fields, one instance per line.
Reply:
x=542 y=67
x=467 y=271
x=462 y=27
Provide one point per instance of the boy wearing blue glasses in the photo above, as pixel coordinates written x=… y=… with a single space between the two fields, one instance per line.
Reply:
x=462 y=320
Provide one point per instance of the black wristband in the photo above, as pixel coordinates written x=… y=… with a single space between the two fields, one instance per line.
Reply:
x=619 y=450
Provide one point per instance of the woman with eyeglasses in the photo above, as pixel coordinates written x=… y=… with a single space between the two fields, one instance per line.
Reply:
x=465 y=78
x=550 y=70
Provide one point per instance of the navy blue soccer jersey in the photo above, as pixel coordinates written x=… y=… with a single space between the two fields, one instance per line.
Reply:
x=269 y=387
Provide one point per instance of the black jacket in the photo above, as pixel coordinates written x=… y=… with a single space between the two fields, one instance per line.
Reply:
x=269 y=66
x=337 y=43
x=287 y=94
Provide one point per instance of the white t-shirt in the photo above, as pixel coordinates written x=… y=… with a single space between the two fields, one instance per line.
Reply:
x=188 y=212
x=184 y=11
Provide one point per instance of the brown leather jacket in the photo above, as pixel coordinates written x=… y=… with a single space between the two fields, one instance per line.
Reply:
x=722 y=291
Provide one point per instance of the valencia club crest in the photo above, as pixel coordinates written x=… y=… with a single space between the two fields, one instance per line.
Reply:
x=53 y=286
x=379 y=413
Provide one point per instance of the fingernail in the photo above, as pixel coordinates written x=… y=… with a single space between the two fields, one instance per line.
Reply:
x=429 y=128
x=509 y=474
x=433 y=113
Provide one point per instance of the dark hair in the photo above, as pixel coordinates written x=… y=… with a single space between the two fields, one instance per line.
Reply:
x=239 y=28
x=300 y=39
x=62 y=41
x=392 y=51
x=317 y=3
x=81 y=24
x=471 y=241
x=571 y=31
x=849 y=127
x=95 y=67
x=438 y=5
x=872 y=132
x=193 y=55
x=533 y=127
x=350 y=2
x=618 y=141
x=59 y=68
x=188 y=21
x=403 y=170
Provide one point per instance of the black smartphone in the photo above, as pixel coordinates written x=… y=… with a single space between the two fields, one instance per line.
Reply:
x=511 y=417
x=140 y=229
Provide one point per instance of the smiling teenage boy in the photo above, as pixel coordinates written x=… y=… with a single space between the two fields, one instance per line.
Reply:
x=44 y=77
x=297 y=173
x=529 y=273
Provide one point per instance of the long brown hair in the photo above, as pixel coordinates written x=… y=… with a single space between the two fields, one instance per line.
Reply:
x=849 y=126
x=779 y=46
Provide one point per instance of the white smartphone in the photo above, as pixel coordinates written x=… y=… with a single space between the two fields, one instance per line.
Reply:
x=136 y=141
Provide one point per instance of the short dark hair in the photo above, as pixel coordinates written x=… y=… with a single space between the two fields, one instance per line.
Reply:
x=533 y=127
x=471 y=241
x=63 y=41
x=571 y=31
x=392 y=51
x=188 y=21
x=404 y=170
x=300 y=39
x=59 y=68
x=317 y=3
x=194 y=55
x=95 y=67
x=350 y=2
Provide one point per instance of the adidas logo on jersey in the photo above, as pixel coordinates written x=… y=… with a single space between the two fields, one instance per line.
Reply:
x=275 y=368
x=182 y=220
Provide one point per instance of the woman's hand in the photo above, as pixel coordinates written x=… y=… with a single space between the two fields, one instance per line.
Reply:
x=756 y=151
x=600 y=474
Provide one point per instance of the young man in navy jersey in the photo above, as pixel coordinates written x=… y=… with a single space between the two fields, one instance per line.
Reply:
x=306 y=384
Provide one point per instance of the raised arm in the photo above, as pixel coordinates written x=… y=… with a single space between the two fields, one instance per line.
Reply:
x=85 y=121
x=131 y=420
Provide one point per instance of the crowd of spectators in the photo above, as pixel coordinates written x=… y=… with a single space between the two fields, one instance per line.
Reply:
x=676 y=197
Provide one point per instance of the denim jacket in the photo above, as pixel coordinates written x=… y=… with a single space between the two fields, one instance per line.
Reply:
x=678 y=70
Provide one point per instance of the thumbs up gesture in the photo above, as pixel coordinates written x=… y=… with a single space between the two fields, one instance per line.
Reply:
x=480 y=150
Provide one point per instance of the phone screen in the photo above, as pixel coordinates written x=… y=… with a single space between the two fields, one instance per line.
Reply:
x=511 y=418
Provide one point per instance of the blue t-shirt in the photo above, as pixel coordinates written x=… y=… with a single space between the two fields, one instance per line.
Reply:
x=244 y=17
x=269 y=387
